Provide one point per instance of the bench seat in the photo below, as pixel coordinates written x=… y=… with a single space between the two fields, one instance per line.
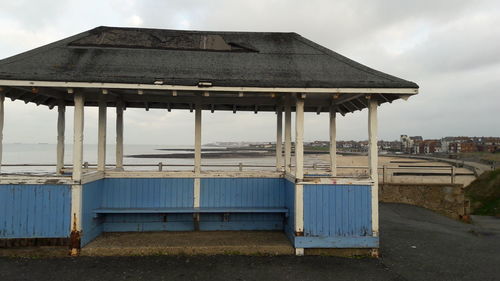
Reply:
x=188 y=210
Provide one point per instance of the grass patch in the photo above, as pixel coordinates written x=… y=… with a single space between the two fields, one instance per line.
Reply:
x=484 y=156
x=484 y=194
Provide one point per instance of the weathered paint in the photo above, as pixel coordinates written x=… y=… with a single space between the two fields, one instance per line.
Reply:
x=91 y=199
x=147 y=222
x=373 y=160
x=242 y=192
x=335 y=216
x=35 y=211
x=336 y=242
x=234 y=221
x=147 y=193
x=290 y=205
x=337 y=210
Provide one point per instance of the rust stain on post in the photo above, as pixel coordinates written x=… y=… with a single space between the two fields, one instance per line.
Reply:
x=74 y=239
x=299 y=233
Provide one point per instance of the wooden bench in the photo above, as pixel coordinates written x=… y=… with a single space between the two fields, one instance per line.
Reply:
x=195 y=211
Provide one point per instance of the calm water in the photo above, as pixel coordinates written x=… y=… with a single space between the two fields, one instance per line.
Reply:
x=46 y=154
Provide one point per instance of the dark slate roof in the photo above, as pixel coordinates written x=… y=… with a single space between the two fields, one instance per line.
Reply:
x=251 y=59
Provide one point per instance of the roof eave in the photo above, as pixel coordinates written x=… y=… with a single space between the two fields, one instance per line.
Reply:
x=99 y=85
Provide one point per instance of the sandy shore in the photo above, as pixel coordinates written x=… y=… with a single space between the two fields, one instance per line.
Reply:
x=394 y=165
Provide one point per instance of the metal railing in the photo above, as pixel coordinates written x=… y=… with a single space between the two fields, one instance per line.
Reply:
x=386 y=173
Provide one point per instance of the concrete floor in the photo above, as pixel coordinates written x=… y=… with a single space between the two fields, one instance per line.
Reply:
x=199 y=242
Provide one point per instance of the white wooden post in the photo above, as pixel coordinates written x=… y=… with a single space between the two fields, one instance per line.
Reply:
x=197 y=139
x=101 y=138
x=299 y=170
x=2 y=113
x=279 y=140
x=373 y=160
x=197 y=159
x=78 y=137
x=333 y=142
x=76 y=189
x=119 y=134
x=288 y=133
x=299 y=139
x=61 y=124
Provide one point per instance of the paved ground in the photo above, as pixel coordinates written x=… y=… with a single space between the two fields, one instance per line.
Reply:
x=417 y=244
x=198 y=242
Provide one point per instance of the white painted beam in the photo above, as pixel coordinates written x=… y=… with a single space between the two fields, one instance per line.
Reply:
x=279 y=138
x=119 y=134
x=61 y=126
x=333 y=141
x=28 y=83
x=2 y=114
x=101 y=134
x=78 y=136
x=197 y=139
x=373 y=161
x=288 y=133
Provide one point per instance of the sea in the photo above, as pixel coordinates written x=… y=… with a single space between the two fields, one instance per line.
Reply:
x=44 y=153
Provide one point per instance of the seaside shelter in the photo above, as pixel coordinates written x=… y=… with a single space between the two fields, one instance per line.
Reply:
x=194 y=70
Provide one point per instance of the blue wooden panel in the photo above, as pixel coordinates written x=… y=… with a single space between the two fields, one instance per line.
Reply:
x=242 y=192
x=337 y=210
x=147 y=222
x=290 y=205
x=241 y=222
x=147 y=193
x=91 y=199
x=336 y=242
x=35 y=211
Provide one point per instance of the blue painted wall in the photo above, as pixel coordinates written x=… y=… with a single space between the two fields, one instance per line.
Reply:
x=242 y=192
x=337 y=210
x=35 y=211
x=91 y=199
x=290 y=205
x=147 y=193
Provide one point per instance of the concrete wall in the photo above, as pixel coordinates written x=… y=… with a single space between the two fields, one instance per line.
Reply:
x=447 y=199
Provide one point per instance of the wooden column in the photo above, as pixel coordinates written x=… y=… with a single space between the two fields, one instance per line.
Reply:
x=119 y=134
x=76 y=189
x=197 y=139
x=2 y=114
x=333 y=142
x=373 y=160
x=279 y=139
x=197 y=161
x=61 y=125
x=78 y=137
x=299 y=170
x=101 y=137
x=299 y=138
x=288 y=133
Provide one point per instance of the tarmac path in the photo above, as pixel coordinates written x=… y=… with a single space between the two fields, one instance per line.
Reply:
x=416 y=244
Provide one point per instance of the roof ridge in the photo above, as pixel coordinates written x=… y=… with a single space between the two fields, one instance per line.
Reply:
x=195 y=31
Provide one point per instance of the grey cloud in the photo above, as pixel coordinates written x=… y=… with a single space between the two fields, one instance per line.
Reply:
x=451 y=48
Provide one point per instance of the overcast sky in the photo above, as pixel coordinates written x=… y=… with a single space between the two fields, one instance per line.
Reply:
x=450 y=48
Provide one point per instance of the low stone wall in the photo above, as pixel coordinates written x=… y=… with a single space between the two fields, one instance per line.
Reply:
x=447 y=199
